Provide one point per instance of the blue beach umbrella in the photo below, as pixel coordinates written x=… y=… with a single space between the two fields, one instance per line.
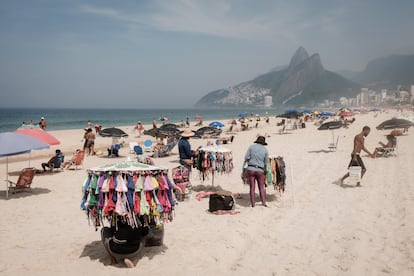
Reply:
x=216 y=124
x=13 y=143
x=326 y=113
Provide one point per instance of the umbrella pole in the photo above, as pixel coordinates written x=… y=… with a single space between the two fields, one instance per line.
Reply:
x=7 y=177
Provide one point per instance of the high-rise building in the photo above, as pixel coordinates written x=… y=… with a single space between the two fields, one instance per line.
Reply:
x=268 y=101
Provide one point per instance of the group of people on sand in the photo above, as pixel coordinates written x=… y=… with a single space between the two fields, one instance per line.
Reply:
x=122 y=242
x=42 y=123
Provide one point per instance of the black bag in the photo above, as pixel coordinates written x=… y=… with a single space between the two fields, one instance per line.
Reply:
x=220 y=202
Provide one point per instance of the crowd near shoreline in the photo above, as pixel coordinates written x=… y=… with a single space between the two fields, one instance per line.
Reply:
x=315 y=226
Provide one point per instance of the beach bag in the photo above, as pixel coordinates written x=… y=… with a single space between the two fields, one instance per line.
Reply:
x=220 y=202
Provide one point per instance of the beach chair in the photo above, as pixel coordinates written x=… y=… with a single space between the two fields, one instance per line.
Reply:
x=132 y=146
x=392 y=151
x=148 y=145
x=78 y=160
x=58 y=162
x=166 y=150
x=333 y=146
x=23 y=182
x=114 y=150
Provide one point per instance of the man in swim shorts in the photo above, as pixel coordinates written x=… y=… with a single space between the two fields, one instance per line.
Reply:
x=355 y=155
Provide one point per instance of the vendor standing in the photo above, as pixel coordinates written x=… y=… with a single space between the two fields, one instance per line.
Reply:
x=187 y=155
x=256 y=159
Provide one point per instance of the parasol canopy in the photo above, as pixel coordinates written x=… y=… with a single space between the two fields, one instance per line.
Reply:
x=216 y=124
x=346 y=113
x=395 y=123
x=13 y=143
x=113 y=132
x=207 y=131
x=39 y=134
x=290 y=114
x=127 y=166
x=163 y=132
x=331 y=125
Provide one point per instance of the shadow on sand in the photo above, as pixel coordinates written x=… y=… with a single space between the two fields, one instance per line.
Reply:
x=21 y=194
x=96 y=251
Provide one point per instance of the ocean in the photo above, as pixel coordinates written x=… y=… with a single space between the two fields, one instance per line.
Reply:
x=60 y=119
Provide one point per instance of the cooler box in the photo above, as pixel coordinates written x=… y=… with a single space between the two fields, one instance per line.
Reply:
x=355 y=174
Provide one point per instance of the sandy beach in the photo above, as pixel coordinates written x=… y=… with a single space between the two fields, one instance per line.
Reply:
x=315 y=227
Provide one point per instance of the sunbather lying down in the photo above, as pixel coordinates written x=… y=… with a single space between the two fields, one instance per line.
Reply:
x=225 y=140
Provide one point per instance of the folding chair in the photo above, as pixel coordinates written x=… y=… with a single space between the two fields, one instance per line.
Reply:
x=23 y=182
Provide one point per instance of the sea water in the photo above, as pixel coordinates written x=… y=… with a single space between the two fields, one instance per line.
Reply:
x=59 y=119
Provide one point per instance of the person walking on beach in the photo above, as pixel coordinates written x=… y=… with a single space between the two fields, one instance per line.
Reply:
x=139 y=128
x=42 y=123
x=90 y=137
x=257 y=159
x=154 y=123
x=355 y=155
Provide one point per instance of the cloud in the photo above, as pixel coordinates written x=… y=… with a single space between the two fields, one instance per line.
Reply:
x=212 y=18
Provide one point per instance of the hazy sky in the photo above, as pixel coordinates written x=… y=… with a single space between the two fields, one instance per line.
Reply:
x=166 y=53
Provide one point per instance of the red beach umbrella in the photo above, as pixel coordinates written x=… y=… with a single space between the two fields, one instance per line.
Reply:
x=39 y=134
x=346 y=114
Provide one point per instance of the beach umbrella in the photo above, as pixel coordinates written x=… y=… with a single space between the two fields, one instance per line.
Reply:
x=243 y=115
x=346 y=113
x=216 y=124
x=326 y=114
x=113 y=132
x=163 y=132
x=290 y=114
x=127 y=166
x=168 y=126
x=207 y=131
x=13 y=143
x=331 y=125
x=39 y=134
x=198 y=117
x=395 y=123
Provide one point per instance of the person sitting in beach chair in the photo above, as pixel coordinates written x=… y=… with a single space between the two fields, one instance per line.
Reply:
x=55 y=162
x=386 y=149
x=72 y=161
x=114 y=150
x=165 y=150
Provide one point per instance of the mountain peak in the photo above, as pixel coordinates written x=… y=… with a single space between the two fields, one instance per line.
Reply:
x=299 y=57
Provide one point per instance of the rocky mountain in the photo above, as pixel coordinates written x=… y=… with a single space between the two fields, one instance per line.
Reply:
x=387 y=72
x=302 y=82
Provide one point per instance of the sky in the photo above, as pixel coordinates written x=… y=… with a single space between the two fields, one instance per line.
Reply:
x=170 y=53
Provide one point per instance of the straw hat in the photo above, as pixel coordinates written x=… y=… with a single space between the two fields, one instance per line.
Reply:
x=187 y=133
x=261 y=140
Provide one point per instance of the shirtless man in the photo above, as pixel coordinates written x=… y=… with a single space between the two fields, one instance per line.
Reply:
x=355 y=155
